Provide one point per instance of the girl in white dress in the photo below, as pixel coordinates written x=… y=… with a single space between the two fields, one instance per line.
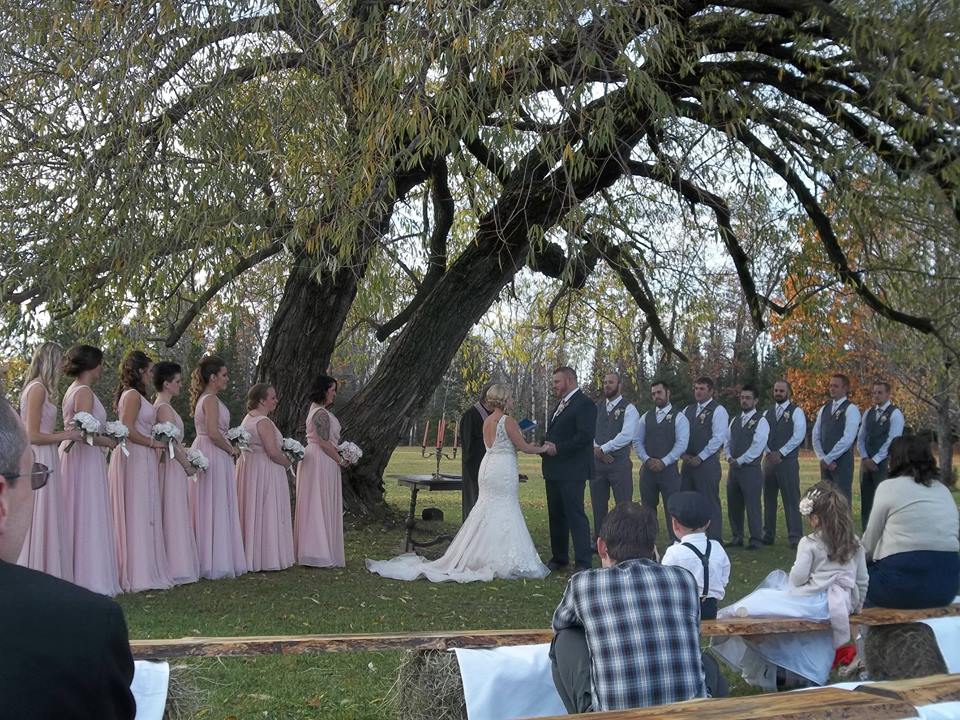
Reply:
x=494 y=541
x=828 y=581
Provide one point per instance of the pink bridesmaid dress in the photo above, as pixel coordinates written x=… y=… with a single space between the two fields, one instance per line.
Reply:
x=319 y=516
x=137 y=508
x=89 y=521
x=213 y=498
x=264 y=497
x=180 y=542
x=46 y=547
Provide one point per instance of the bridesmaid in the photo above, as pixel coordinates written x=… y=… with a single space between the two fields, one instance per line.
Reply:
x=262 y=487
x=46 y=547
x=83 y=468
x=216 y=518
x=174 y=483
x=135 y=484
x=319 y=515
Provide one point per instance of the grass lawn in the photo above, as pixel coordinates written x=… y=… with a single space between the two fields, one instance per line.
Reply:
x=301 y=600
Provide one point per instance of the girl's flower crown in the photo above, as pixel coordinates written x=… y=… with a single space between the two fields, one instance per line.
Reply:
x=806 y=505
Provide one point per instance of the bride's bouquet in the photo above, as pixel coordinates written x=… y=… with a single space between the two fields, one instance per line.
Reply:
x=239 y=438
x=86 y=424
x=293 y=449
x=119 y=432
x=350 y=452
x=198 y=461
x=166 y=433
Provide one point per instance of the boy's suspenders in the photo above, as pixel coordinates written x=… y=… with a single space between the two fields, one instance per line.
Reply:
x=705 y=560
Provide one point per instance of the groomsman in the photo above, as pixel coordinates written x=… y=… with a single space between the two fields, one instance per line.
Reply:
x=701 y=472
x=834 y=434
x=881 y=424
x=472 y=452
x=662 y=434
x=781 y=466
x=748 y=438
x=616 y=427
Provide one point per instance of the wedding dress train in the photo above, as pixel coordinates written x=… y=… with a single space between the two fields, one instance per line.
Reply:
x=493 y=542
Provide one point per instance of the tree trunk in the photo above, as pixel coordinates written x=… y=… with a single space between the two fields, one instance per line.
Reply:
x=303 y=335
x=944 y=426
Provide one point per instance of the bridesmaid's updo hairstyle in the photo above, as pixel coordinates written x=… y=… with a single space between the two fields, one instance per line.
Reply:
x=131 y=374
x=498 y=395
x=257 y=394
x=164 y=372
x=321 y=385
x=208 y=366
x=81 y=358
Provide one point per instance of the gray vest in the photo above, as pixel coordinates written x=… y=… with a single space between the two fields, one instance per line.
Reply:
x=781 y=430
x=609 y=425
x=876 y=429
x=832 y=426
x=701 y=427
x=659 y=437
x=741 y=437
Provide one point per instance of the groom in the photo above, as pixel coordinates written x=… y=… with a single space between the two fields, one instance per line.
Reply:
x=567 y=465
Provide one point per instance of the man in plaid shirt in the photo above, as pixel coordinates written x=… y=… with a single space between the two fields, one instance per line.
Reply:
x=628 y=634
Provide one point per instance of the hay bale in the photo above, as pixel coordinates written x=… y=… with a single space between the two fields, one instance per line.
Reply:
x=428 y=687
x=184 y=697
x=902 y=652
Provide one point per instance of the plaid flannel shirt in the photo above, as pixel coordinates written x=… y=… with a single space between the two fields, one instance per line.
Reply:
x=642 y=624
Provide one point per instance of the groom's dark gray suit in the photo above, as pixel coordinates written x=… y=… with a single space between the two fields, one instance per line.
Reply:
x=566 y=475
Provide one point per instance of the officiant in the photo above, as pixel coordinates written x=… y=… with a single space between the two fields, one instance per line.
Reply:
x=471 y=435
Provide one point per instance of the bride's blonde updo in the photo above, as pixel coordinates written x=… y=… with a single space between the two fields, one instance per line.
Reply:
x=498 y=395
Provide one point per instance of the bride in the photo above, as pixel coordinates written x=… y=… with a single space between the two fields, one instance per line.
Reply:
x=494 y=541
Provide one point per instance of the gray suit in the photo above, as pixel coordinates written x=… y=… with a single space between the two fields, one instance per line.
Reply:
x=705 y=478
x=616 y=476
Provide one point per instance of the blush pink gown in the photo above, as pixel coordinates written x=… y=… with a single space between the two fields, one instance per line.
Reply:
x=180 y=542
x=137 y=509
x=86 y=506
x=213 y=499
x=46 y=547
x=319 y=516
x=264 y=498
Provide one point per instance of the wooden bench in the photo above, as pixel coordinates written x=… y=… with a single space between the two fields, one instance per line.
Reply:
x=877 y=701
x=426 y=640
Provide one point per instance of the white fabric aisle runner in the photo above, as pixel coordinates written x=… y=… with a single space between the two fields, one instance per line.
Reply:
x=149 y=688
x=508 y=682
x=947 y=632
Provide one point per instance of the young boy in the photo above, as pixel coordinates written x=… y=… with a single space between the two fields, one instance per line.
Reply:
x=705 y=559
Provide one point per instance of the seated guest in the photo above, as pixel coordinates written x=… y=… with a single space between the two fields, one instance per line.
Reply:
x=627 y=635
x=65 y=649
x=706 y=559
x=911 y=536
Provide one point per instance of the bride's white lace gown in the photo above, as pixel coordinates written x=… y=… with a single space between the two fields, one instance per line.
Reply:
x=494 y=541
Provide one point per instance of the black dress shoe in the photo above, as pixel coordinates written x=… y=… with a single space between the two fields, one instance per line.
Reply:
x=753 y=546
x=555 y=565
x=581 y=568
x=768 y=541
x=733 y=544
x=794 y=544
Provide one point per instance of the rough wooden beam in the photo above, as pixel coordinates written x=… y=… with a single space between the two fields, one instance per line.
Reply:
x=297 y=644
x=918 y=691
x=821 y=704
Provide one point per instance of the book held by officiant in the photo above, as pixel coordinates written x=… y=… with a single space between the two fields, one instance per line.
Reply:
x=527 y=424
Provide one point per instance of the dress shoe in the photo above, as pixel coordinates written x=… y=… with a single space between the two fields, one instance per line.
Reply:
x=753 y=546
x=554 y=565
x=794 y=544
x=768 y=541
x=581 y=568
x=733 y=544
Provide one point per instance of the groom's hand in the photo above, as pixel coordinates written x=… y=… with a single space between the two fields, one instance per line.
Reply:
x=549 y=448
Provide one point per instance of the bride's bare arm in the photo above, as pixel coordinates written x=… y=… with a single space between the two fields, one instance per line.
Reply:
x=516 y=437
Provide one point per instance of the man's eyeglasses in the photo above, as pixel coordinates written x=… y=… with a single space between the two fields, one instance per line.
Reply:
x=38 y=476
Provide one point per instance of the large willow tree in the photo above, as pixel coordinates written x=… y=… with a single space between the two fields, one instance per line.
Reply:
x=154 y=151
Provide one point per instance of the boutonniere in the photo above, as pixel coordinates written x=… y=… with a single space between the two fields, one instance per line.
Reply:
x=883 y=419
x=702 y=418
x=751 y=423
x=618 y=413
x=668 y=418
x=837 y=414
x=783 y=418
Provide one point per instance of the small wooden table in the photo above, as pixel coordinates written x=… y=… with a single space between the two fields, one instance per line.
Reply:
x=433 y=483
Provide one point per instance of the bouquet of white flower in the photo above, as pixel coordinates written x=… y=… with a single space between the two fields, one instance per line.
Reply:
x=239 y=438
x=293 y=449
x=86 y=424
x=166 y=433
x=119 y=432
x=350 y=452
x=198 y=460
